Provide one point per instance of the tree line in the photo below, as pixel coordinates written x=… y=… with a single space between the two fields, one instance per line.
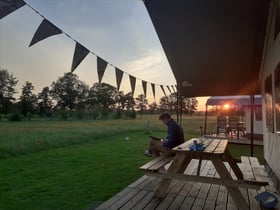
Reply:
x=68 y=96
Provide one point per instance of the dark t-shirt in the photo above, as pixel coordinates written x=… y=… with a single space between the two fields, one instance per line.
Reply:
x=175 y=135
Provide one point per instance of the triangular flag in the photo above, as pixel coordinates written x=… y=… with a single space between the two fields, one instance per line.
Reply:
x=144 y=85
x=277 y=22
x=132 y=83
x=153 y=89
x=119 y=75
x=173 y=88
x=8 y=6
x=45 y=30
x=169 y=89
x=162 y=88
x=79 y=55
x=101 y=66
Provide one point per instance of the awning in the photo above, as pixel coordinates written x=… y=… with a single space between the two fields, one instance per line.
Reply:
x=237 y=100
x=213 y=45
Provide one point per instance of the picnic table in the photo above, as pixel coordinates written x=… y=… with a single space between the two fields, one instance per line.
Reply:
x=215 y=150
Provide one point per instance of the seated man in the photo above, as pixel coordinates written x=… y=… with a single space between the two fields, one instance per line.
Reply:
x=174 y=138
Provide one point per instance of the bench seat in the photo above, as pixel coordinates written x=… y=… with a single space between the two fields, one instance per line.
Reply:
x=157 y=163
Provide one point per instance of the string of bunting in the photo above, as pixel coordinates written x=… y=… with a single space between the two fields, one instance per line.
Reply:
x=47 y=29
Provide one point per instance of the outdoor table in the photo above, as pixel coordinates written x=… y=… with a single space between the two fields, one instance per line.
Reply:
x=215 y=150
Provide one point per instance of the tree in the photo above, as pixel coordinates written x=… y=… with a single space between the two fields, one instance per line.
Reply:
x=141 y=103
x=28 y=99
x=44 y=102
x=190 y=105
x=153 y=107
x=103 y=95
x=168 y=103
x=7 y=90
x=69 y=92
x=126 y=101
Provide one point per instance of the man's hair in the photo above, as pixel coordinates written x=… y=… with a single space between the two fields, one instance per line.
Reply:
x=164 y=115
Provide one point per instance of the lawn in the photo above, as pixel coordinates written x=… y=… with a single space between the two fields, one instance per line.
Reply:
x=76 y=165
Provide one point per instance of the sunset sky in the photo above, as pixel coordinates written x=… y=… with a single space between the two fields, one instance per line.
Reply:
x=120 y=32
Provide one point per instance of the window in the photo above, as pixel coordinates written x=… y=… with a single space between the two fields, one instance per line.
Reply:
x=268 y=104
x=277 y=97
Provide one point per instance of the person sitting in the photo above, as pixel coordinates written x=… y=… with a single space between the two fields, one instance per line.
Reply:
x=175 y=137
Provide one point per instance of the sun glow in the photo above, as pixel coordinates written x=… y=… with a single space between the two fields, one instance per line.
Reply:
x=226 y=106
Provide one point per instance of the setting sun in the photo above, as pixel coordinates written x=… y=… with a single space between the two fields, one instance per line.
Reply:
x=226 y=106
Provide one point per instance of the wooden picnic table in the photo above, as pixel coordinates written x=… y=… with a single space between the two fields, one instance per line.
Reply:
x=215 y=150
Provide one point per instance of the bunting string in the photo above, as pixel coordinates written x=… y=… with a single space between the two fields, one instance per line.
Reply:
x=47 y=29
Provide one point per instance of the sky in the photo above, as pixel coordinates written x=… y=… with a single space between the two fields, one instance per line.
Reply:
x=119 y=31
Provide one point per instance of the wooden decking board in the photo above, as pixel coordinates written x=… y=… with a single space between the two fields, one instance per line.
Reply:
x=134 y=200
x=166 y=202
x=209 y=205
x=221 y=201
x=146 y=183
x=138 y=181
x=187 y=203
x=154 y=202
x=144 y=201
x=114 y=199
x=123 y=200
x=198 y=203
x=187 y=195
x=177 y=202
x=253 y=203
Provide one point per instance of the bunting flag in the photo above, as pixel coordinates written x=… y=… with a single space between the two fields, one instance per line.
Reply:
x=174 y=91
x=45 y=30
x=8 y=6
x=119 y=75
x=169 y=89
x=162 y=88
x=144 y=85
x=153 y=89
x=101 y=66
x=132 y=83
x=277 y=22
x=79 y=55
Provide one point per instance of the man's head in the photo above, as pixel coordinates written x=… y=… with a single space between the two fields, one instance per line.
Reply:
x=165 y=117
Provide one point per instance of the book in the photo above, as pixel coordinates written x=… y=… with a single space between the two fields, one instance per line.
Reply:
x=155 y=138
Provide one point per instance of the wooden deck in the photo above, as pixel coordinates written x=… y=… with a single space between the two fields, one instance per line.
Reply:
x=184 y=195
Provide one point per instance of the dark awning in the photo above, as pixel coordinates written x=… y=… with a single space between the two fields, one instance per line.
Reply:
x=237 y=100
x=214 y=45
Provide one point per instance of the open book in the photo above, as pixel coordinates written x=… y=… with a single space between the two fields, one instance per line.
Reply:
x=155 y=138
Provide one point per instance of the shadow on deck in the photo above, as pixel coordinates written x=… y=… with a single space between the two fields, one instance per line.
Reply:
x=184 y=194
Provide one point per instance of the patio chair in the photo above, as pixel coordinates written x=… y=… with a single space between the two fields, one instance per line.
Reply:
x=222 y=125
x=233 y=126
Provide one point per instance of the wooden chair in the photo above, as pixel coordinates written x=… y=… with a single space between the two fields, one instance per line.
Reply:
x=233 y=126
x=222 y=125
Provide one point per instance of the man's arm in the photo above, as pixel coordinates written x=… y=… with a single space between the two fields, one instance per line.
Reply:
x=172 y=129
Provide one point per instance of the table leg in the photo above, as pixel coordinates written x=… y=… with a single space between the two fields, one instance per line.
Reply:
x=233 y=165
x=177 y=165
x=233 y=191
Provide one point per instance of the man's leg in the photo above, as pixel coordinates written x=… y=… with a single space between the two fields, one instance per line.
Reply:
x=156 y=146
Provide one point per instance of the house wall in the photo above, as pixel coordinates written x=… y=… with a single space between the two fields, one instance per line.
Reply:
x=271 y=59
x=258 y=124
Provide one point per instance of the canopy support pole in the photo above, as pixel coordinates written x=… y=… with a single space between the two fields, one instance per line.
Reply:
x=177 y=110
x=205 y=122
x=252 y=100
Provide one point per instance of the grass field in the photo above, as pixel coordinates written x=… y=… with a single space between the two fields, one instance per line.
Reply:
x=77 y=165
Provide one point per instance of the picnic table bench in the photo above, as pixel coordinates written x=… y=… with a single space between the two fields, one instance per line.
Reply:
x=215 y=150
